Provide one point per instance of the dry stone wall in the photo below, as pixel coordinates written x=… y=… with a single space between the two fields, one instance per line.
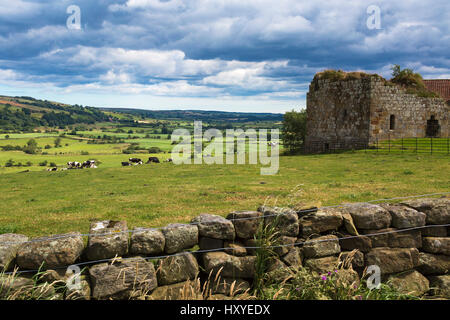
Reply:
x=408 y=241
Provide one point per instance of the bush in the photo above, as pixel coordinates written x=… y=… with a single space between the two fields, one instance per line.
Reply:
x=52 y=164
x=84 y=153
x=9 y=163
x=43 y=163
x=154 y=150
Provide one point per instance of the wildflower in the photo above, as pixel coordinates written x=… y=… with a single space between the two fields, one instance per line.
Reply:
x=324 y=278
x=329 y=273
x=335 y=271
x=359 y=297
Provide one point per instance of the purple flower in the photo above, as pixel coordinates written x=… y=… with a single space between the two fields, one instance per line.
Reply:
x=324 y=278
x=329 y=273
x=359 y=297
x=335 y=271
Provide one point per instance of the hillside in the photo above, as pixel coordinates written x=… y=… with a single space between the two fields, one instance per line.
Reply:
x=26 y=114
x=210 y=116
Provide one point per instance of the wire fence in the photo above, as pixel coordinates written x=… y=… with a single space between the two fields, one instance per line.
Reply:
x=390 y=145
x=235 y=219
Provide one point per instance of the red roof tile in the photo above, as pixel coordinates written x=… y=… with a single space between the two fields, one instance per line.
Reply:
x=440 y=86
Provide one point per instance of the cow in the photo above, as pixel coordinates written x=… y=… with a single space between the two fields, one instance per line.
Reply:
x=153 y=159
x=52 y=169
x=74 y=165
x=135 y=160
x=169 y=160
x=89 y=164
x=125 y=164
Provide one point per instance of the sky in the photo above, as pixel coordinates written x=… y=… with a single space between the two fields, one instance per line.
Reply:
x=228 y=55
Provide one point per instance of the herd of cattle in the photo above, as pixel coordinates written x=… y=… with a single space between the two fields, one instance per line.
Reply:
x=137 y=161
x=92 y=163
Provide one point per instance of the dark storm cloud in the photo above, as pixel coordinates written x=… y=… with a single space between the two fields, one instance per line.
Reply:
x=205 y=48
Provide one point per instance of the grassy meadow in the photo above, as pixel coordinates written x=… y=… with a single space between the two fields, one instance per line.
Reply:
x=42 y=203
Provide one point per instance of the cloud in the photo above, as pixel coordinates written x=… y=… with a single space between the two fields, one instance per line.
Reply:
x=230 y=48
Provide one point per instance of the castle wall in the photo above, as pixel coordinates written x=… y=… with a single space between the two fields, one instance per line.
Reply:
x=337 y=115
x=351 y=114
x=410 y=111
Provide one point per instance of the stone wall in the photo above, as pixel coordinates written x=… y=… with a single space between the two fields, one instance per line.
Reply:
x=351 y=114
x=405 y=240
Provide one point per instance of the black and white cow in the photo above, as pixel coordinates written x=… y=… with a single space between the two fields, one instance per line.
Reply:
x=73 y=165
x=125 y=164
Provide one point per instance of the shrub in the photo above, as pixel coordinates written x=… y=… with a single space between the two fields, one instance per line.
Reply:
x=43 y=163
x=154 y=150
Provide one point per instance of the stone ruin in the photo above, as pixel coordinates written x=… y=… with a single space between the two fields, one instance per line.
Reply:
x=406 y=240
x=355 y=113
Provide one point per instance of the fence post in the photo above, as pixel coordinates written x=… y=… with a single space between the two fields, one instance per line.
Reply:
x=431 y=144
x=389 y=141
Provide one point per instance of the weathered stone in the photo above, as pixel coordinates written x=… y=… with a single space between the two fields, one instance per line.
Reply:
x=438 y=245
x=246 y=223
x=348 y=222
x=215 y=227
x=320 y=221
x=292 y=258
x=123 y=279
x=9 y=243
x=81 y=292
x=369 y=216
x=54 y=251
x=410 y=282
x=210 y=243
x=177 y=268
x=393 y=260
x=431 y=231
x=179 y=237
x=235 y=249
x=432 y=264
x=278 y=271
x=284 y=244
x=321 y=247
x=392 y=238
x=355 y=258
x=187 y=290
x=229 y=286
x=362 y=243
x=284 y=221
x=437 y=210
x=322 y=265
x=233 y=267
x=14 y=286
x=250 y=246
x=404 y=217
x=220 y=297
x=147 y=241
x=107 y=239
x=441 y=285
x=347 y=278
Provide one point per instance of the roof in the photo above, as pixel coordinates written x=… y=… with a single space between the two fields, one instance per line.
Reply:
x=440 y=86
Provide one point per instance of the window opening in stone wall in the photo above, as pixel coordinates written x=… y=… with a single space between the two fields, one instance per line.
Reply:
x=392 y=122
x=433 y=127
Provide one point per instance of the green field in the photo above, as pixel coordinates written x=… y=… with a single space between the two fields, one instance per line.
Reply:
x=43 y=203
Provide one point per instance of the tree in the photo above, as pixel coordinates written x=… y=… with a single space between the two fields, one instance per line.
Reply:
x=294 y=130
x=58 y=142
x=31 y=147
